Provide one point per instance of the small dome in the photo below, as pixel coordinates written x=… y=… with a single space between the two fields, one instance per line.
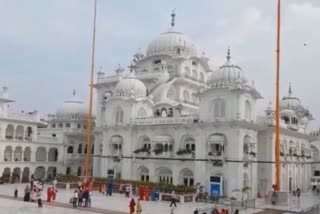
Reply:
x=72 y=106
x=227 y=74
x=172 y=43
x=290 y=102
x=131 y=86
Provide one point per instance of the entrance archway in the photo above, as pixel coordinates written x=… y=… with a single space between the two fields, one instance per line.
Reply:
x=8 y=154
x=186 y=177
x=25 y=175
x=40 y=172
x=41 y=154
x=16 y=174
x=18 y=154
x=53 y=155
x=6 y=175
x=27 y=154
x=52 y=172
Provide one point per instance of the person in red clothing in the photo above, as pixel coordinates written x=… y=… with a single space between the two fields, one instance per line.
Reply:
x=132 y=206
x=147 y=193
x=54 y=194
x=141 y=193
x=49 y=194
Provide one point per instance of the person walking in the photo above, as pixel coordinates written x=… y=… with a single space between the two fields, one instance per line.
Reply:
x=127 y=191
x=173 y=199
x=139 y=207
x=16 y=193
x=39 y=198
x=132 y=205
x=75 y=198
x=26 y=193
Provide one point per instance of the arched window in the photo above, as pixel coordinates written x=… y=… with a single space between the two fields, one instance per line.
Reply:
x=142 y=113
x=170 y=94
x=80 y=148
x=186 y=95
x=194 y=74
x=119 y=115
x=248 y=110
x=219 y=108
x=70 y=149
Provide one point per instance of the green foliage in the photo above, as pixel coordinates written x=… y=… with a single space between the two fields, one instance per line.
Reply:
x=184 y=152
x=161 y=187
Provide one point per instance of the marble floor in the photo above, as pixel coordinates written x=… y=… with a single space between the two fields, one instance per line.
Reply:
x=117 y=204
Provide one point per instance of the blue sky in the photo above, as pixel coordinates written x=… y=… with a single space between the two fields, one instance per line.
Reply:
x=45 y=45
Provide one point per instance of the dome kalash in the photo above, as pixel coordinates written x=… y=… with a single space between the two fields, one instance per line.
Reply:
x=172 y=43
x=227 y=74
x=73 y=106
x=290 y=102
x=130 y=86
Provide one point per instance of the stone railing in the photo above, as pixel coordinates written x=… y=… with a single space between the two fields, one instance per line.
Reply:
x=25 y=117
x=186 y=119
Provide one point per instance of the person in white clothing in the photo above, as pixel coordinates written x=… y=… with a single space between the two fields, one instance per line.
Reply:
x=75 y=198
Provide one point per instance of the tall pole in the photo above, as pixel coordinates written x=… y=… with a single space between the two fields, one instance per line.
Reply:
x=277 y=144
x=89 y=119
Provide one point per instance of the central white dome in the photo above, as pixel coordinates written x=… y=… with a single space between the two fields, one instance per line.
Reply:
x=172 y=43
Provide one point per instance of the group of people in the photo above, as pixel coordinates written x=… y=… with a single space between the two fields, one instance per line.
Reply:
x=33 y=192
x=133 y=205
x=83 y=194
x=81 y=198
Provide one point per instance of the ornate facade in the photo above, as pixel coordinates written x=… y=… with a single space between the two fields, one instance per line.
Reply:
x=173 y=119
x=23 y=151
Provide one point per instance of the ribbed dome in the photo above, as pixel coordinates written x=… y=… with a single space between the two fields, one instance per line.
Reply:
x=227 y=74
x=290 y=102
x=72 y=106
x=172 y=43
x=131 y=86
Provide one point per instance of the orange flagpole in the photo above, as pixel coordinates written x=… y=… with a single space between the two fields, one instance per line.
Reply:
x=277 y=128
x=89 y=119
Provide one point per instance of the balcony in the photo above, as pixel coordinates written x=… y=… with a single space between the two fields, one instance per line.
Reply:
x=184 y=119
x=215 y=155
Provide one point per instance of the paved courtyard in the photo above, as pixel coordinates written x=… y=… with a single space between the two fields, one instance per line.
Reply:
x=118 y=204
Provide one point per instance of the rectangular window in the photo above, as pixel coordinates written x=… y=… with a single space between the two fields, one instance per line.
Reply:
x=317 y=173
x=193 y=147
x=185 y=181
x=79 y=126
x=158 y=61
x=53 y=125
x=68 y=125
x=216 y=179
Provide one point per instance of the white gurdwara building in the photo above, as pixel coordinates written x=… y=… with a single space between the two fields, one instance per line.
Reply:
x=173 y=119
x=29 y=146
x=23 y=152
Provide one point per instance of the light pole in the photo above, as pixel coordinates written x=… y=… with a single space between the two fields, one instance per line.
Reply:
x=277 y=127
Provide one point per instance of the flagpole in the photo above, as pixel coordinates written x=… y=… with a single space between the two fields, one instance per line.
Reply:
x=89 y=118
x=277 y=127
